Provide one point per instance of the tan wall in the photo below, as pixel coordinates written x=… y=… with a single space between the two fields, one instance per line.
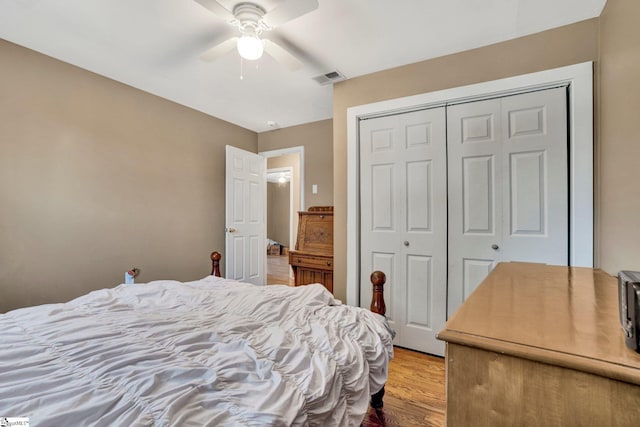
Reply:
x=97 y=177
x=292 y=161
x=317 y=140
x=619 y=149
x=550 y=49
x=278 y=212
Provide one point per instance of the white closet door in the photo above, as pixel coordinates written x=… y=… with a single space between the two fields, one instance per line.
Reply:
x=536 y=190
x=403 y=221
x=475 y=196
x=508 y=191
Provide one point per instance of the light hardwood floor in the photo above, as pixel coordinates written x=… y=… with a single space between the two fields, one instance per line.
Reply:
x=414 y=394
x=278 y=270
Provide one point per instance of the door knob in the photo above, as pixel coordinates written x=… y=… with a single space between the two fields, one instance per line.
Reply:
x=495 y=247
x=406 y=243
x=230 y=230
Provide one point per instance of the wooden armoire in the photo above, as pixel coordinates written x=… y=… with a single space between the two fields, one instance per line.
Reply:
x=312 y=260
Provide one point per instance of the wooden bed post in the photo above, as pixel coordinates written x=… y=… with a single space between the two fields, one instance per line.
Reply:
x=378 y=279
x=215 y=263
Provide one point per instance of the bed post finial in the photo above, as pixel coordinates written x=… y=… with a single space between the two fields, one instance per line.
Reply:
x=215 y=263
x=378 y=279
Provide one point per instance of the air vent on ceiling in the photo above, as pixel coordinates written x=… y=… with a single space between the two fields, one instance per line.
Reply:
x=330 y=77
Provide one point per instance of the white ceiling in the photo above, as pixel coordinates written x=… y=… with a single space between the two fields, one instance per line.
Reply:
x=154 y=45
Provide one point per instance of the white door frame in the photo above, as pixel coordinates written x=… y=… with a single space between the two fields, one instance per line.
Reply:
x=579 y=77
x=290 y=170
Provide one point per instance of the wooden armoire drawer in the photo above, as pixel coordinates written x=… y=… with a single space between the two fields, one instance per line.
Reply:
x=312 y=261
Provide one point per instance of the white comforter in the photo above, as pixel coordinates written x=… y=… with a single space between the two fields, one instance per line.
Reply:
x=204 y=353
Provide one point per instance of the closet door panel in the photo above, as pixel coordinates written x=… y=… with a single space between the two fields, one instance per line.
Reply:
x=478 y=207
x=382 y=198
x=474 y=271
x=403 y=157
x=475 y=195
x=419 y=196
x=527 y=193
x=536 y=207
x=419 y=270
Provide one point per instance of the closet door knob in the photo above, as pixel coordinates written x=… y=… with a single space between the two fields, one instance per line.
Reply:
x=406 y=243
x=495 y=247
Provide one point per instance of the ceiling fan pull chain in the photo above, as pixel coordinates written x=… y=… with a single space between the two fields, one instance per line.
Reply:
x=241 y=69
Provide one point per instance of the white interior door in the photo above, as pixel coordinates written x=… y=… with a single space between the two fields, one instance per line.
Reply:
x=245 y=196
x=403 y=221
x=508 y=186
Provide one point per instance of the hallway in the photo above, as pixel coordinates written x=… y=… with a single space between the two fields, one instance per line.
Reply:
x=278 y=270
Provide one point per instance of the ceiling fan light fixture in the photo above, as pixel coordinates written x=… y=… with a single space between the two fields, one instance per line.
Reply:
x=250 y=47
x=252 y=20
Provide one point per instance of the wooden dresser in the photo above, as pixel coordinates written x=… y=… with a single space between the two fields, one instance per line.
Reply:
x=312 y=260
x=539 y=345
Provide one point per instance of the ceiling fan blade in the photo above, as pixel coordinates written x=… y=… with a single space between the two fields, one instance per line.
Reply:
x=221 y=49
x=282 y=56
x=217 y=9
x=288 y=11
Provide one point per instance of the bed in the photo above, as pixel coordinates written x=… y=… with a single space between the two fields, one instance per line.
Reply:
x=202 y=353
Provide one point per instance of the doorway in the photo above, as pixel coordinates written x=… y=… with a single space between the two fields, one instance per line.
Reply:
x=577 y=78
x=285 y=197
x=280 y=214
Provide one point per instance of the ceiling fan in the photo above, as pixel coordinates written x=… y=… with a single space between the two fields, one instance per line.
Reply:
x=252 y=21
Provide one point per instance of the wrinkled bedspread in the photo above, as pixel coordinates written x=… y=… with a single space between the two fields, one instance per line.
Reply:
x=204 y=353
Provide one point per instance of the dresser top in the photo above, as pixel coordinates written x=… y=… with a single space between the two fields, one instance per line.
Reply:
x=565 y=316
